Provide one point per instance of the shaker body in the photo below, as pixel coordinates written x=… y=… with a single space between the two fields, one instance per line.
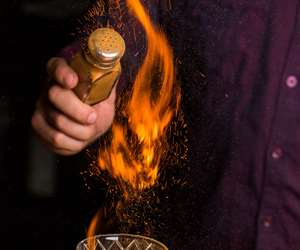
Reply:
x=98 y=65
x=95 y=84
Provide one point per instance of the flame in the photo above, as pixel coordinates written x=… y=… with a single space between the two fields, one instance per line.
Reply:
x=91 y=241
x=138 y=146
x=136 y=162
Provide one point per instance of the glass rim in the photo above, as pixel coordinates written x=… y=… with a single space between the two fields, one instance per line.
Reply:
x=121 y=235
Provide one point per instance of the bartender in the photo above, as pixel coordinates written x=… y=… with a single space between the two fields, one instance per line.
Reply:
x=243 y=120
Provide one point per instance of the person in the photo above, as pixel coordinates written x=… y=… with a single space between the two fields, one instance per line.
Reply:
x=243 y=121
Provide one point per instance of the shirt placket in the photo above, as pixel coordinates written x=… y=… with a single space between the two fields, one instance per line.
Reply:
x=274 y=229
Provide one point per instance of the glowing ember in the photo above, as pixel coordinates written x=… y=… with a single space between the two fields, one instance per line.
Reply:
x=135 y=162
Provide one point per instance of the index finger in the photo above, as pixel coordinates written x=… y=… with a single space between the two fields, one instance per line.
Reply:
x=59 y=70
x=69 y=104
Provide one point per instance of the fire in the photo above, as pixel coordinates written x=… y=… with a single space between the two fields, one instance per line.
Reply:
x=91 y=243
x=135 y=162
x=138 y=146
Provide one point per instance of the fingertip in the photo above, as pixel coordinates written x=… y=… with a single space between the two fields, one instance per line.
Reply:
x=70 y=80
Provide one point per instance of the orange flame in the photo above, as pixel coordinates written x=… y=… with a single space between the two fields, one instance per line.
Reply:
x=91 y=241
x=149 y=113
x=135 y=160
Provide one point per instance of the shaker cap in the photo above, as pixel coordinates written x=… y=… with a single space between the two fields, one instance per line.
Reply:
x=105 y=46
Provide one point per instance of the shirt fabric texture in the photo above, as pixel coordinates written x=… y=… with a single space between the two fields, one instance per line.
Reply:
x=243 y=120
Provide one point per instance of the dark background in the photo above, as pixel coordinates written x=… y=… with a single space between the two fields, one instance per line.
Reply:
x=44 y=202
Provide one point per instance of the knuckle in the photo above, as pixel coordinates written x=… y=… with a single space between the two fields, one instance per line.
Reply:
x=56 y=139
x=53 y=93
x=34 y=121
x=59 y=72
x=58 y=120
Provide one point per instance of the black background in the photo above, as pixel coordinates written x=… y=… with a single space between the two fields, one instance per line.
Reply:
x=32 y=32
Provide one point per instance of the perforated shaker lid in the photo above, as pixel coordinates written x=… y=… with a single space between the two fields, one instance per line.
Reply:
x=106 y=46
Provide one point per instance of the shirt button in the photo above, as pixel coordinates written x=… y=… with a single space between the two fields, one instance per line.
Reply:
x=291 y=81
x=277 y=153
x=267 y=222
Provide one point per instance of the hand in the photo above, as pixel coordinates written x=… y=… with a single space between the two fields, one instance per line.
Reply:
x=62 y=121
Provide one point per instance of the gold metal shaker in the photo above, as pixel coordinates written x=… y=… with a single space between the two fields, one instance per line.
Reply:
x=98 y=65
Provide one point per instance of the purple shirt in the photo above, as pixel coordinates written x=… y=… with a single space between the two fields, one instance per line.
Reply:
x=243 y=120
x=252 y=104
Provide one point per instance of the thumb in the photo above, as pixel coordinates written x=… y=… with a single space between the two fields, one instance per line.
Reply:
x=60 y=71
